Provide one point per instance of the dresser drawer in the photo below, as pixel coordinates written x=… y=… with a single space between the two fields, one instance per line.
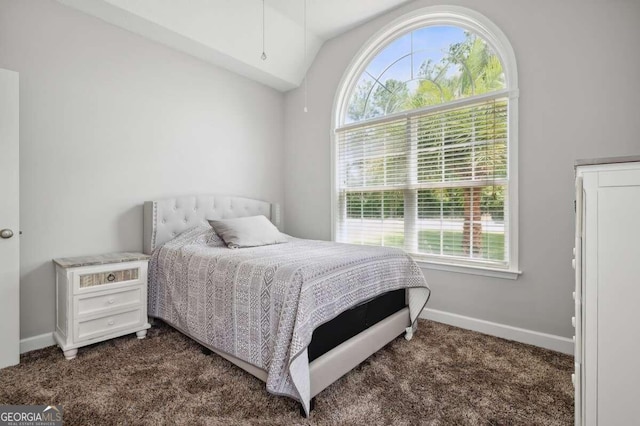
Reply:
x=96 y=327
x=93 y=303
x=577 y=323
x=105 y=277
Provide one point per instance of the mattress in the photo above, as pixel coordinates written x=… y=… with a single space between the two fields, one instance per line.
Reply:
x=263 y=304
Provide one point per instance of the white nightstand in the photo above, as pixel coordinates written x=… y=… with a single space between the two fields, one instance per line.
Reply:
x=99 y=298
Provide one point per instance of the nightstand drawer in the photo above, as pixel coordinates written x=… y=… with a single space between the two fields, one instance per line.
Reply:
x=105 y=277
x=93 y=328
x=109 y=277
x=95 y=304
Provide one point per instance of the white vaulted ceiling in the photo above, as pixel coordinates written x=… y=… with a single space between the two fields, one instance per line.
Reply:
x=228 y=33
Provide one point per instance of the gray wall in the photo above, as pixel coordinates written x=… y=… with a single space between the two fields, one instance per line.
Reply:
x=109 y=120
x=579 y=68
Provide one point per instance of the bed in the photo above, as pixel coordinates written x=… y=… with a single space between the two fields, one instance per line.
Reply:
x=297 y=315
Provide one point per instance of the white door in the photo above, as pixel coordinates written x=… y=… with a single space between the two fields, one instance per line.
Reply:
x=9 y=226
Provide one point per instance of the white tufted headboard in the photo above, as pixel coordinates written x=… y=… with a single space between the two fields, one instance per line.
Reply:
x=164 y=219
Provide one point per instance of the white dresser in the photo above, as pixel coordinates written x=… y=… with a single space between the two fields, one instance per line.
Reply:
x=607 y=293
x=99 y=298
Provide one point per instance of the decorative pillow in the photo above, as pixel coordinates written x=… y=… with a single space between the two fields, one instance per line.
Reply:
x=252 y=231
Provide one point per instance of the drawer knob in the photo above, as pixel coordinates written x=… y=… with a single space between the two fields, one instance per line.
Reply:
x=110 y=322
x=111 y=277
x=573 y=321
x=573 y=263
x=573 y=379
x=110 y=301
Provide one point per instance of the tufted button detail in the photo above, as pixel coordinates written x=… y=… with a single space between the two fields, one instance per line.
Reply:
x=164 y=220
x=185 y=220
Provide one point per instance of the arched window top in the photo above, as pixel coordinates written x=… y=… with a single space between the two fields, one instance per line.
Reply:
x=432 y=56
x=427 y=66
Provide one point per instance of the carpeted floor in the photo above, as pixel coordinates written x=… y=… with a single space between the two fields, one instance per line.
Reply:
x=444 y=376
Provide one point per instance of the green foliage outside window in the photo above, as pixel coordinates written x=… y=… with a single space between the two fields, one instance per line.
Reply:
x=465 y=144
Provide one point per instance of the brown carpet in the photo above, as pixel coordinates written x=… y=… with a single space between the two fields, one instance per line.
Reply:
x=444 y=376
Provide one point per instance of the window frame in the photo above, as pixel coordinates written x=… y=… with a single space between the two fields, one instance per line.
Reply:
x=479 y=24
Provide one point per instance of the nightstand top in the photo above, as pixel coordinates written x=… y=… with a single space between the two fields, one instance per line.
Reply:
x=100 y=259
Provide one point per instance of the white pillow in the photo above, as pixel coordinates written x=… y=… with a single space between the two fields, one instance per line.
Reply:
x=251 y=231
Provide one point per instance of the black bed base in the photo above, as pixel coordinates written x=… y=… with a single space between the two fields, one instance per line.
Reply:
x=354 y=321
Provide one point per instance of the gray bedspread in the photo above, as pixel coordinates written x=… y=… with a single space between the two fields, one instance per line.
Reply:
x=262 y=304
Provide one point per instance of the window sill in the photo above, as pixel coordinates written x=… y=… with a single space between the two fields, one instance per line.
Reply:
x=470 y=269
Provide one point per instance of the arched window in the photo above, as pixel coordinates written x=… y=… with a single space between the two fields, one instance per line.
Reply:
x=425 y=142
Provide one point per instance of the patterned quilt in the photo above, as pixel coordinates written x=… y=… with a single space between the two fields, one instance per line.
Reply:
x=262 y=304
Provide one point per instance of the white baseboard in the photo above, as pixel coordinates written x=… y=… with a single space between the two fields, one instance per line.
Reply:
x=543 y=340
x=36 y=342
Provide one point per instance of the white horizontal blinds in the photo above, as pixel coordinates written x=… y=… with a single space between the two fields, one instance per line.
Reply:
x=432 y=182
x=372 y=164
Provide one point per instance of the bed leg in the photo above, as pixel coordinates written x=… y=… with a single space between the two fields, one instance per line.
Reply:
x=312 y=405
x=408 y=333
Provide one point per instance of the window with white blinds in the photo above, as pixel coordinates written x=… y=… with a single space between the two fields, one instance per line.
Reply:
x=422 y=154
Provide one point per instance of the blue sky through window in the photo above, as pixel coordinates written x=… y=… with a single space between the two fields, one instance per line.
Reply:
x=428 y=43
x=402 y=61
